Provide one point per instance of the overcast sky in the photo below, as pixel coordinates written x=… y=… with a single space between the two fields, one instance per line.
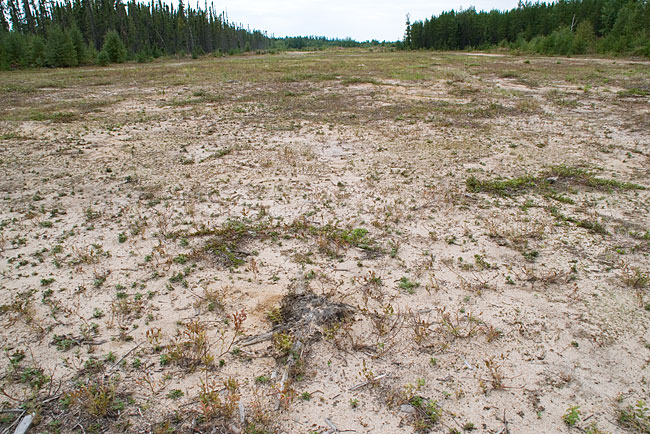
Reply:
x=359 y=19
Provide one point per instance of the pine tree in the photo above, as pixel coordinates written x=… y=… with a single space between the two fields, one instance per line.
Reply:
x=407 y=35
x=59 y=51
x=79 y=45
x=37 y=51
x=114 y=47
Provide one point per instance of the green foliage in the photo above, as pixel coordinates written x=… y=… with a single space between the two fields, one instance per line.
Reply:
x=59 y=51
x=635 y=418
x=556 y=177
x=114 y=47
x=565 y=28
x=69 y=33
x=103 y=59
x=37 y=51
x=13 y=47
x=572 y=415
x=407 y=285
x=79 y=45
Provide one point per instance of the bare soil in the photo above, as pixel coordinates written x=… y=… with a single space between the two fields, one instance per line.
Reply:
x=370 y=242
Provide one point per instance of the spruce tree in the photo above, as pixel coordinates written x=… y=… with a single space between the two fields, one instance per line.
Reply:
x=37 y=51
x=114 y=47
x=79 y=45
x=59 y=51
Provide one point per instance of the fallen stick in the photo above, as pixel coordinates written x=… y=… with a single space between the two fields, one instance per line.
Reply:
x=13 y=424
x=260 y=338
x=24 y=424
x=359 y=386
x=331 y=425
x=122 y=358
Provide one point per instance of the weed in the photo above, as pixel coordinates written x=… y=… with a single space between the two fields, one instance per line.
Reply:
x=572 y=415
x=213 y=404
x=175 y=394
x=556 y=176
x=428 y=413
x=635 y=417
x=407 y=285
x=274 y=315
x=98 y=398
x=282 y=343
x=226 y=242
x=634 y=277
x=496 y=376
x=180 y=259
x=63 y=342
x=191 y=346
x=262 y=379
x=505 y=188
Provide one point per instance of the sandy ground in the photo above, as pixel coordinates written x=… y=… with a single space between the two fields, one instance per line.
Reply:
x=147 y=210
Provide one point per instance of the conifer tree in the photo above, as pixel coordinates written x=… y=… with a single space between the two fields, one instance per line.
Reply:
x=59 y=51
x=79 y=45
x=114 y=47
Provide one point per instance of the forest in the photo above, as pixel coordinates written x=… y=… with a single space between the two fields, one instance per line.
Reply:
x=563 y=27
x=78 y=32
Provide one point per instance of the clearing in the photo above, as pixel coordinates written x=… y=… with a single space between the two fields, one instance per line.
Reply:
x=366 y=241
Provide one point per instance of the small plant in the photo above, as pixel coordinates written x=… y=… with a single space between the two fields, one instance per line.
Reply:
x=496 y=376
x=635 y=278
x=572 y=415
x=636 y=417
x=121 y=237
x=407 y=285
x=274 y=315
x=98 y=398
x=282 y=342
x=63 y=342
x=175 y=394
x=181 y=259
x=429 y=414
x=213 y=403
x=164 y=360
x=191 y=346
x=262 y=379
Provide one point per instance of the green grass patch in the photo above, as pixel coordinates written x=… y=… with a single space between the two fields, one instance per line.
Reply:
x=555 y=178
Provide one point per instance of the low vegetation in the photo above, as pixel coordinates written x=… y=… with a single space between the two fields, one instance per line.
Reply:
x=340 y=240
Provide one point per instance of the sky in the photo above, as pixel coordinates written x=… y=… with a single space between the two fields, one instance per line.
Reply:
x=359 y=19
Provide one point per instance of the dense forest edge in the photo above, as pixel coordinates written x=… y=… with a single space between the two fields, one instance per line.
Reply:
x=79 y=32
x=611 y=27
x=64 y=33
x=37 y=33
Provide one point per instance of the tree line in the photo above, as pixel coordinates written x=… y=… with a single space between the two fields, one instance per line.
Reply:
x=76 y=32
x=563 y=27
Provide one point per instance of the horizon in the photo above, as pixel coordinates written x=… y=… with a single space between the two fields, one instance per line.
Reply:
x=336 y=19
